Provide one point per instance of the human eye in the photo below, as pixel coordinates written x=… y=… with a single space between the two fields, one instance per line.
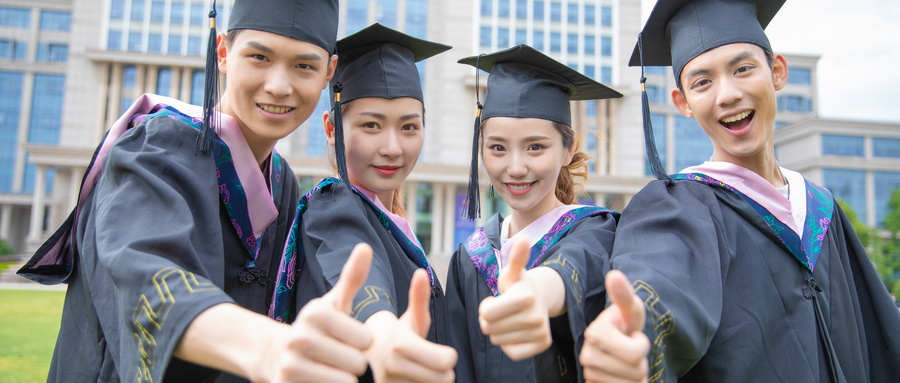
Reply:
x=409 y=127
x=305 y=66
x=743 y=69
x=535 y=147
x=257 y=56
x=370 y=125
x=496 y=148
x=700 y=83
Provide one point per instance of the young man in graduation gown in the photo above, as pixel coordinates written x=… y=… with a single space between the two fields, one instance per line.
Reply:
x=182 y=218
x=747 y=270
x=518 y=310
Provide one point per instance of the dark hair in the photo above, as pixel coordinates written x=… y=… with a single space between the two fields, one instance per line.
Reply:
x=769 y=60
x=230 y=36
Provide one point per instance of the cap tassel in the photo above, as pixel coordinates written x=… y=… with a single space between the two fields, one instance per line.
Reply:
x=210 y=90
x=339 y=154
x=649 y=139
x=473 y=194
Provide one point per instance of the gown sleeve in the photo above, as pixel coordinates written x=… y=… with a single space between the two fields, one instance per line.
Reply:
x=459 y=315
x=670 y=244
x=335 y=222
x=151 y=245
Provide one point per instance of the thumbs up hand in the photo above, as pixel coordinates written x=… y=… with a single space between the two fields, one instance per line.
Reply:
x=615 y=349
x=325 y=343
x=518 y=320
x=401 y=352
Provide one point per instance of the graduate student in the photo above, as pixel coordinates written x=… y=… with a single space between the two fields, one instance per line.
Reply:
x=377 y=130
x=521 y=288
x=171 y=253
x=747 y=270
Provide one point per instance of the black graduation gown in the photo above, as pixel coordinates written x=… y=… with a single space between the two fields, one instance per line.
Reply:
x=155 y=246
x=580 y=256
x=728 y=303
x=337 y=218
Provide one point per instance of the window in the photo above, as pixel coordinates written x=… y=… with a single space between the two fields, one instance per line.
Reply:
x=137 y=10
x=606 y=75
x=417 y=18
x=49 y=52
x=164 y=81
x=486 y=7
x=485 y=36
x=357 y=15
x=134 y=42
x=177 y=13
x=590 y=43
x=656 y=94
x=198 y=14
x=315 y=139
x=56 y=21
x=537 y=40
x=794 y=103
x=572 y=43
x=174 y=44
x=502 y=38
x=848 y=186
x=157 y=11
x=837 y=145
x=521 y=36
x=15 y=17
x=589 y=71
x=692 y=145
x=537 y=10
x=117 y=9
x=503 y=8
x=195 y=46
x=886 y=147
x=46 y=108
x=590 y=106
x=885 y=185
x=655 y=70
x=555 y=12
x=800 y=76
x=30 y=171
x=129 y=77
x=154 y=43
x=197 y=79
x=589 y=14
x=10 y=105
x=555 y=42
x=658 y=121
x=114 y=42
x=572 y=15
x=20 y=50
x=386 y=13
x=780 y=124
x=6 y=49
x=606 y=46
x=606 y=16
x=521 y=9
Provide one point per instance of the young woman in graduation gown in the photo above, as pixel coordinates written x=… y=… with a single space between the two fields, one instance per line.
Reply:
x=521 y=288
x=377 y=128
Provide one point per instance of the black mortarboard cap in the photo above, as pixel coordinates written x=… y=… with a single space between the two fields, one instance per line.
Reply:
x=677 y=31
x=526 y=83
x=378 y=62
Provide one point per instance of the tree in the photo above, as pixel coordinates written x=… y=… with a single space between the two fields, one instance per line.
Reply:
x=5 y=247
x=875 y=246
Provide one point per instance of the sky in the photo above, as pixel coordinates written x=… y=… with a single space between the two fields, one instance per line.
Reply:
x=859 y=45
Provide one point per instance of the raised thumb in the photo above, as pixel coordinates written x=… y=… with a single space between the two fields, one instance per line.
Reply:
x=515 y=265
x=418 y=311
x=622 y=295
x=353 y=276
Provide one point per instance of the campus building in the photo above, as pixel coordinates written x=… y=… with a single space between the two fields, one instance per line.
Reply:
x=69 y=68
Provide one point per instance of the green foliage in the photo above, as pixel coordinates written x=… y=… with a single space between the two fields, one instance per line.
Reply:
x=29 y=323
x=896 y=290
x=892 y=218
x=880 y=251
x=5 y=248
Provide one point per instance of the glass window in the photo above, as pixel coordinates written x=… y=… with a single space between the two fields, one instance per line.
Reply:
x=157 y=11
x=692 y=146
x=537 y=40
x=794 y=103
x=420 y=67
x=655 y=70
x=117 y=9
x=114 y=42
x=129 y=77
x=537 y=10
x=800 y=76
x=48 y=52
x=137 y=10
x=606 y=46
x=590 y=44
x=572 y=10
x=590 y=12
x=30 y=171
x=780 y=124
x=315 y=139
x=606 y=75
x=606 y=16
x=46 y=108
x=555 y=42
x=502 y=38
x=656 y=94
x=56 y=21
x=589 y=71
x=417 y=18
x=886 y=147
x=658 y=121
x=885 y=185
x=6 y=49
x=521 y=9
x=197 y=79
x=10 y=105
x=134 y=41
x=503 y=8
x=838 y=145
x=572 y=43
x=195 y=46
x=20 y=50
x=174 y=44
x=590 y=107
x=177 y=13
x=485 y=36
x=125 y=103
x=486 y=9
x=164 y=81
x=848 y=186
x=555 y=12
x=521 y=36
x=198 y=14
x=154 y=43
x=386 y=13
x=357 y=15
x=15 y=17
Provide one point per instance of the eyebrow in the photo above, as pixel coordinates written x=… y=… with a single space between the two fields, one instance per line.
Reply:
x=527 y=139
x=740 y=57
x=382 y=116
x=303 y=56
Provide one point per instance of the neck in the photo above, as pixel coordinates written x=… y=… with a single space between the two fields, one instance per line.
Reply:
x=260 y=147
x=520 y=219
x=387 y=199
x=764 y=165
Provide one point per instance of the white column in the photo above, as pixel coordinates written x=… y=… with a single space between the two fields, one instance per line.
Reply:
x=600 y=199
x=437 y=218
x=870 y=199
x=411 y=213
x=37 y=206
x=449 y=218
x=75 y=175
x=6 y=221
x=626 y=198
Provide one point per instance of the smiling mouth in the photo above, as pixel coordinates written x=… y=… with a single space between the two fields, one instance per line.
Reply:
x=737 y=121
x=275 y=109
x=520 y=186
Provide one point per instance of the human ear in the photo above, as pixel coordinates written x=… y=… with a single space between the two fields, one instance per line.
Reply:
x=329 y=127
x=332 y=65
x=779 y=70
x=221 y=51
x=681 y=103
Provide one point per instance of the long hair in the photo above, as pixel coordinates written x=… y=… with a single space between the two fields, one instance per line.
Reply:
x=570 y=182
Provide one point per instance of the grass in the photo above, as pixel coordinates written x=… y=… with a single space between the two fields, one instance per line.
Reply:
x=29 y=322
x=4 y=265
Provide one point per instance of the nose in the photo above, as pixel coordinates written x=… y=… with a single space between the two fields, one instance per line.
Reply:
x=390 y=147
x=278 y=82
x=729 y=92
x=517 y=166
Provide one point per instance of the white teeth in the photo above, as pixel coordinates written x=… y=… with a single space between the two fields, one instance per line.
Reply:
x=736 y=117
x=275 y=109
x=519 y=187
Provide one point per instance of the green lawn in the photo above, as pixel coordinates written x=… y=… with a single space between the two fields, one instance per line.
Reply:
x=29 y=322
